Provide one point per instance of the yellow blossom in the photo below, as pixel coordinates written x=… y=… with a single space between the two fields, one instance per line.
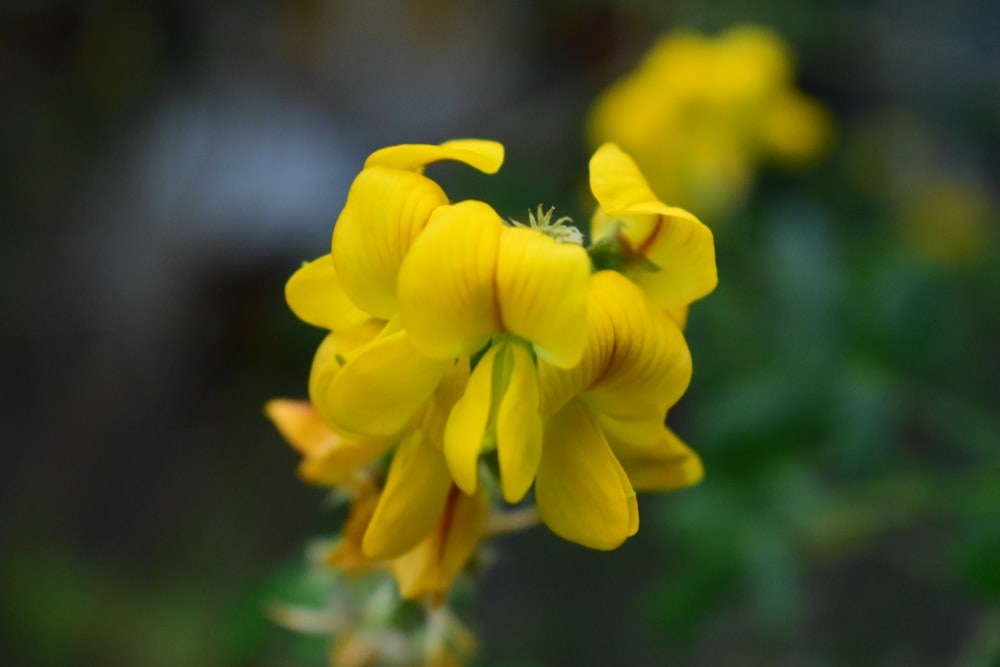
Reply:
x=419 y=524
x=471 y=336
x=663 y=249
x=699 y=114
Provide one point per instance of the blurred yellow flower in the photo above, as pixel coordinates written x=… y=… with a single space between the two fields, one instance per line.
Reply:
x=699 y=114
x=948 y=219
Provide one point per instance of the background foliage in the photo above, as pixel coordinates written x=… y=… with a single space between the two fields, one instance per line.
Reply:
x=167 y=165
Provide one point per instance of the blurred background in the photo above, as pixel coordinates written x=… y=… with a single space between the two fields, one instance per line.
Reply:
x=167 y=165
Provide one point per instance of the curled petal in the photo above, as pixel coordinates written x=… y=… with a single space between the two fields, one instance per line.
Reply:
x=446 y=286
x=678 y=245
x=582 y=492
x=541 y=286
x=620 y=188
x=414 y=495
x=385 y=211
x=314 y=294
x=467 y=424
x=519 y=427
x=486 y=156
x=434 y=563
x=653 y=457
x=381 y=387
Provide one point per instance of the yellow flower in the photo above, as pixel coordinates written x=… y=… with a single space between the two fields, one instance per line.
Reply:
x=419 y=524
x=471 y=285
x=454 y=334
x=604 y=434
x=699 y=114
x=377 y=388
x=665 y=250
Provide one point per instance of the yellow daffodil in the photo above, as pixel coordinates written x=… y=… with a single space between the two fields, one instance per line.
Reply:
x=472 y=284
x=382 y=384
x=699 y=115
x=604 y=435
x=663 y=249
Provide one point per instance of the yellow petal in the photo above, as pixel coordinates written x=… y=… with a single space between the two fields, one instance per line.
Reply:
x=684 y=253
x=519 y=427
x=630 y=499
x=386 y=210
x=314 y=294
x=649 y=366
x=680 y=247
x=439 y=407
x=381 y=387
x=446 y=286
x=653 y=457
x=432 y=566
x=581 y=490
x=332 y=354
x=679 y=314
x=541 y=286
x=466 y=427
x=486 y=156
x=636 y=363
x=414 y=495
x=620 y=187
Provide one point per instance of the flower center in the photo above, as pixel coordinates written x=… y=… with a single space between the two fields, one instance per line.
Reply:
x=558 y=229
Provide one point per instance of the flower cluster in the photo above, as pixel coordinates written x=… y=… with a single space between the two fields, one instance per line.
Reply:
x=484 y=358
x=698 y=115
